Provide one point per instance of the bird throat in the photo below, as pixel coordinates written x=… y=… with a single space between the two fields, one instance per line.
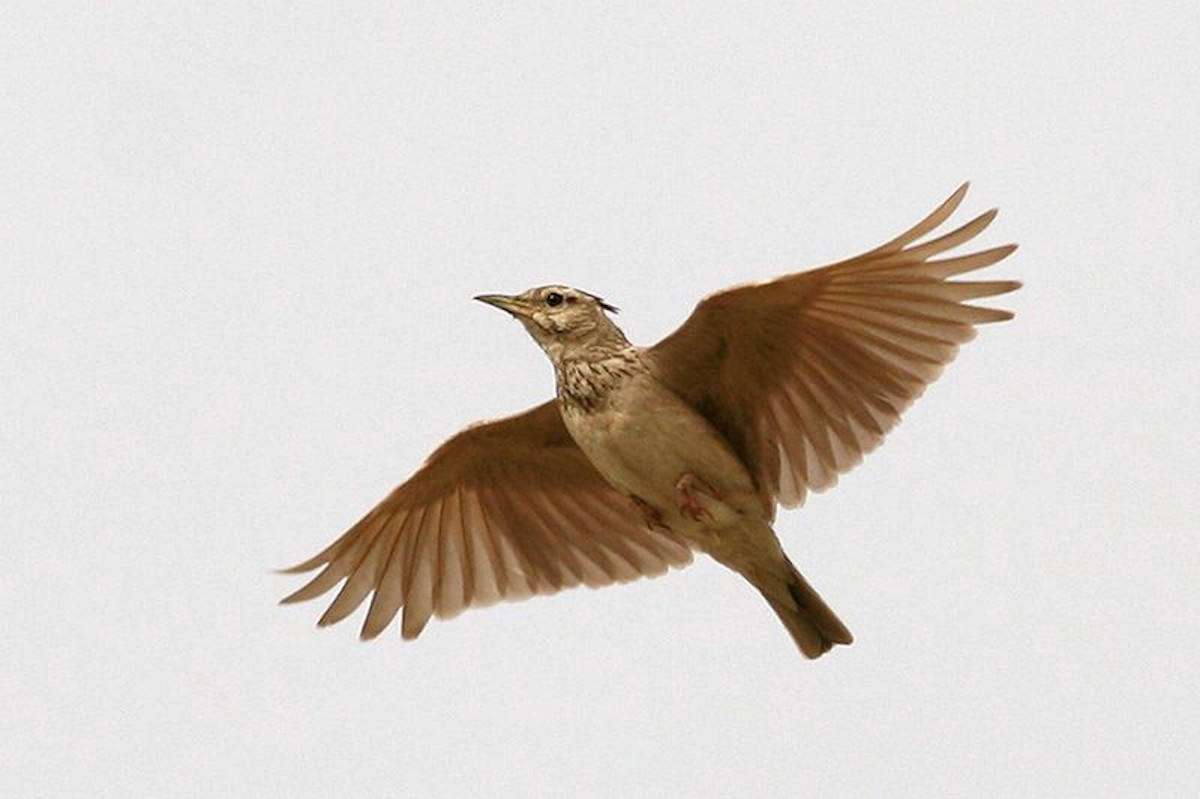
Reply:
x=586 y=382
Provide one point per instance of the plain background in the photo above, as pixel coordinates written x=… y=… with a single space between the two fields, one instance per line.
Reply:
x=238 y=244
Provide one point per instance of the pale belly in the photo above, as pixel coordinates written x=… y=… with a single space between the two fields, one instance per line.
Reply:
x=643 y=439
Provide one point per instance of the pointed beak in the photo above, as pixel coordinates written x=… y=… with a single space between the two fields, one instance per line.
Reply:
x=512 y=305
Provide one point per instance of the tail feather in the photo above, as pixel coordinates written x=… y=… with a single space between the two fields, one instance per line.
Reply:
x=752 y=550
x=814 y=626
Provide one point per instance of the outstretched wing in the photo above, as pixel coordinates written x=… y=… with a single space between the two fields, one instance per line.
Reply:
x=806 y=373
x=501 y=511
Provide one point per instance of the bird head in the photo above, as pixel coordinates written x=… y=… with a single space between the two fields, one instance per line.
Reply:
x=565 y=322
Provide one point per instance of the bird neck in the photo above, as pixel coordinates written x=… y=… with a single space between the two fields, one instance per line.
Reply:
x=586 y=381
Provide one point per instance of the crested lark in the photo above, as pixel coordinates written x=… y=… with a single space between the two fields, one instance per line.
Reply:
x=766 y=392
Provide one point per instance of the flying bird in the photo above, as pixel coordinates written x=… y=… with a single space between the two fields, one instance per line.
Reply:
x=648 y=454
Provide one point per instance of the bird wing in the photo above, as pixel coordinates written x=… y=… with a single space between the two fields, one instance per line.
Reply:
x=502 y=511
x=805 y=374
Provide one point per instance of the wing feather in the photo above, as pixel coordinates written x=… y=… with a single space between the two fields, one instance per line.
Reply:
x=502 y=511
x=807 y=373
x=926 y=225
x=388 y=597
x=419 y=565
x=485 y=557
x=454 y=570
x=361 y=578
x=616 y=561
x=590 y=563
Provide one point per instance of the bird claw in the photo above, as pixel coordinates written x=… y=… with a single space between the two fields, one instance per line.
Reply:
x=653 y=518
x=686 y=491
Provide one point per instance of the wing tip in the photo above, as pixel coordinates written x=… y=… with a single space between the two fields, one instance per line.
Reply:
x=333 y=614
x=950 y=205
x=412 y=626
x=299 y=568
x=299 y=595
x=996 y=315
x=370 y=632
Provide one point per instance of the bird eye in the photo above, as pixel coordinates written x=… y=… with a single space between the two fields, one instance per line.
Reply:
x=554 y=298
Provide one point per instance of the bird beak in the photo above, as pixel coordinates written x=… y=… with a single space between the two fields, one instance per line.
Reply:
x=513 y=305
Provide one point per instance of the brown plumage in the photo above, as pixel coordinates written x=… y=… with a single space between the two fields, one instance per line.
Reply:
x=766 y=392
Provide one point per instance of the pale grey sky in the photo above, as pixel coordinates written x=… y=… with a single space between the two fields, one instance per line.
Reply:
x=238 y=244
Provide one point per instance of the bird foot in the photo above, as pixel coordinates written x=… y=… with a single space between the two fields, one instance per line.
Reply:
x=687 y=492
x=654 y=519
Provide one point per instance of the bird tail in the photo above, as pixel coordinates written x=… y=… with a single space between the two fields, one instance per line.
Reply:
x=814 y=626
x=753 y=550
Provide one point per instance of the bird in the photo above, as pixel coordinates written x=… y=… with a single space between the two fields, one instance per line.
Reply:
x=647 y=455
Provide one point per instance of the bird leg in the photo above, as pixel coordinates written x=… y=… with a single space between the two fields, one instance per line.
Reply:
x=654 y=519
x=687 y=492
